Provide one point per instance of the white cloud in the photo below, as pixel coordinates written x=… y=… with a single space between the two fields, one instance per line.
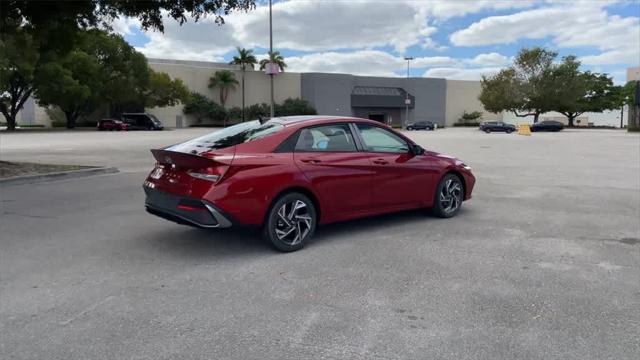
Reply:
x=490 y=59
x=461 y=73
x=380 y=63
x=569 y=24
x=314 y=26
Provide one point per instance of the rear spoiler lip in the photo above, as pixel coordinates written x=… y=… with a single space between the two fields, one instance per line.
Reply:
x=187 y=160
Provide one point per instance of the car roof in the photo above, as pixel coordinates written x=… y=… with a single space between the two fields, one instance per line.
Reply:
x=317 y=119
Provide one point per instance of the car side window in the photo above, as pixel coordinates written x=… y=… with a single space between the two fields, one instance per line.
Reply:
x=327 y=138
x=380 y=140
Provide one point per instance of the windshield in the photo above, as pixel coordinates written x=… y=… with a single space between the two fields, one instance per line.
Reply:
x=233 y=135
x=154 y=119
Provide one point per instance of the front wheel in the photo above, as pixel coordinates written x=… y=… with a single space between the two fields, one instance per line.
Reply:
x=448 y=197
x=291 y=221
x=409 y=128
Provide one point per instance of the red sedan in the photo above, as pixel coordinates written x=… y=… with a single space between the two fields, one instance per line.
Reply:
x=112 y=124
x=290 y=174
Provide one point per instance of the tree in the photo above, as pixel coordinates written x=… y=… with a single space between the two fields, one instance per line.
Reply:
x=53 y=27
x=244 y=58
x=164 y=91
x=528 y=82
x=18 y=59
x=627 y=96
x=577 y=92
x=275 y=58
x=93 y=13
x=102 y=69
x=225 y=80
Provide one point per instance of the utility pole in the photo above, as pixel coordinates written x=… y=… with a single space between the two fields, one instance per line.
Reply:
x=272 y=112
x=407 y=100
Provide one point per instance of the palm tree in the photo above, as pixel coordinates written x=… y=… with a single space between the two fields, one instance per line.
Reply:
x=244 y=58
x=274 y=57
x=225 y=80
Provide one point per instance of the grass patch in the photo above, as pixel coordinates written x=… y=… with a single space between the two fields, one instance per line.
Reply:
x=13 y=169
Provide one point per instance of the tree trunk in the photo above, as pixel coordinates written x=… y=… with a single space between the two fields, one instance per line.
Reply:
x=571 y=119
x=71 y=119
x=222 y=97
x=11 y=121
x=535 y=117
x=243 y=95
x=621 y=116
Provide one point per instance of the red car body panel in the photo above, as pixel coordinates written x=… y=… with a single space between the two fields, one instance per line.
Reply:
x=344 y=185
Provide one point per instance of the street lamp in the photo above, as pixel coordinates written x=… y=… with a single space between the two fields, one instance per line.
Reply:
x=407 y=101
x=271 y=55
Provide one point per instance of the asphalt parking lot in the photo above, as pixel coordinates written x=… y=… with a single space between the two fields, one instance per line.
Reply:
x=543 y=262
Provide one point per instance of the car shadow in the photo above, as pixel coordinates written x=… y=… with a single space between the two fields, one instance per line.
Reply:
x=192 y=243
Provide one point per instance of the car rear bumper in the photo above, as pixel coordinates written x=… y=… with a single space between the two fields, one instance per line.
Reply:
x=184 y=210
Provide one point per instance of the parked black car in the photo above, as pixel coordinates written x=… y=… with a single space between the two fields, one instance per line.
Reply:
x=421 y=125
x=495 y=126
x=547 y=125
x=142 y=121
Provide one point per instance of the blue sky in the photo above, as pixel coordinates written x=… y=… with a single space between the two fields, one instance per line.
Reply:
x=454 y=39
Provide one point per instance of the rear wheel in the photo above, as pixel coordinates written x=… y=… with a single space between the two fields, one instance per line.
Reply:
x=409 y=128
x=448 y=197
x=291 y=222
x=487 y=131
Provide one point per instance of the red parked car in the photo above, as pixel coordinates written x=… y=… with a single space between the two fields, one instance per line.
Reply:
x=290 y=174
x=112 y=124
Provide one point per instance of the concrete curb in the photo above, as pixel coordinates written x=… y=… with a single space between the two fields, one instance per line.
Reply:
x=62 y=175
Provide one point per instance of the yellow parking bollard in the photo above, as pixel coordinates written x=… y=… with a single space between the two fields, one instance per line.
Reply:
x=524 y=129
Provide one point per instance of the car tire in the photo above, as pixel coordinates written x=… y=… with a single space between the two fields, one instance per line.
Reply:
x=409 y=128
x=509 y=131
x=291 y=222
x=448 y=197
x=487 y=131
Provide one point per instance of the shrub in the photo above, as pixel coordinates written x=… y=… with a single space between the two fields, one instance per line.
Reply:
x=294 y=107
x=206 y=111
x=235 y=114
x=253 y=112
x=468 y=124
x=58 y=124
x=470 y=117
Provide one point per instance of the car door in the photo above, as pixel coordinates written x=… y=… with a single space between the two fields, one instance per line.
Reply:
x=400 y=178
x=329 y=158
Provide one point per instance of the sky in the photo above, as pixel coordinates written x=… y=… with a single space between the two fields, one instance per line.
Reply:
x=454 y=39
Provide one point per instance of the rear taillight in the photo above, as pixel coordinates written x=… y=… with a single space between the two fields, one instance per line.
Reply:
x=213 y=174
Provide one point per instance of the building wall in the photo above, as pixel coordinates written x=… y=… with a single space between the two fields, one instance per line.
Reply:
x=196 y=74
x=462 y=95
x=330 y=94
x=633 y=73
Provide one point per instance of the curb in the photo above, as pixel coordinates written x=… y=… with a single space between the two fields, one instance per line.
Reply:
x=62 y=175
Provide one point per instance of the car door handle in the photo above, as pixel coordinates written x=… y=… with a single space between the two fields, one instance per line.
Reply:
x=310 y=161
x=380 y=162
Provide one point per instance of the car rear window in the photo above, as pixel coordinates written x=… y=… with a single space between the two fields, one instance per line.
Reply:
x=233 y=135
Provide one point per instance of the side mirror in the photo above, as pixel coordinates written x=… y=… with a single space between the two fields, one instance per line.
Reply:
x=416 y=149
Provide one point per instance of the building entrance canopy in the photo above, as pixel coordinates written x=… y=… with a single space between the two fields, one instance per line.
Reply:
x=377 y=96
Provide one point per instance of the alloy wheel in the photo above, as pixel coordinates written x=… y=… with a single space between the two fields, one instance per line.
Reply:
x=451 y=195
x=293 y=222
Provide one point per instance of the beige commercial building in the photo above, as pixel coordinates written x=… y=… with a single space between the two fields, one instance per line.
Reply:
x=393 y=100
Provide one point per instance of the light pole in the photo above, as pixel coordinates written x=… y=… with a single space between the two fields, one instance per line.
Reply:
x=271 y=110
x=406 y=91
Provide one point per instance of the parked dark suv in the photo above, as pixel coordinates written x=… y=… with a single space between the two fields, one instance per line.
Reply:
x=142 y=121
x=495 y=126
x=421 y=125
x=547 y=125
